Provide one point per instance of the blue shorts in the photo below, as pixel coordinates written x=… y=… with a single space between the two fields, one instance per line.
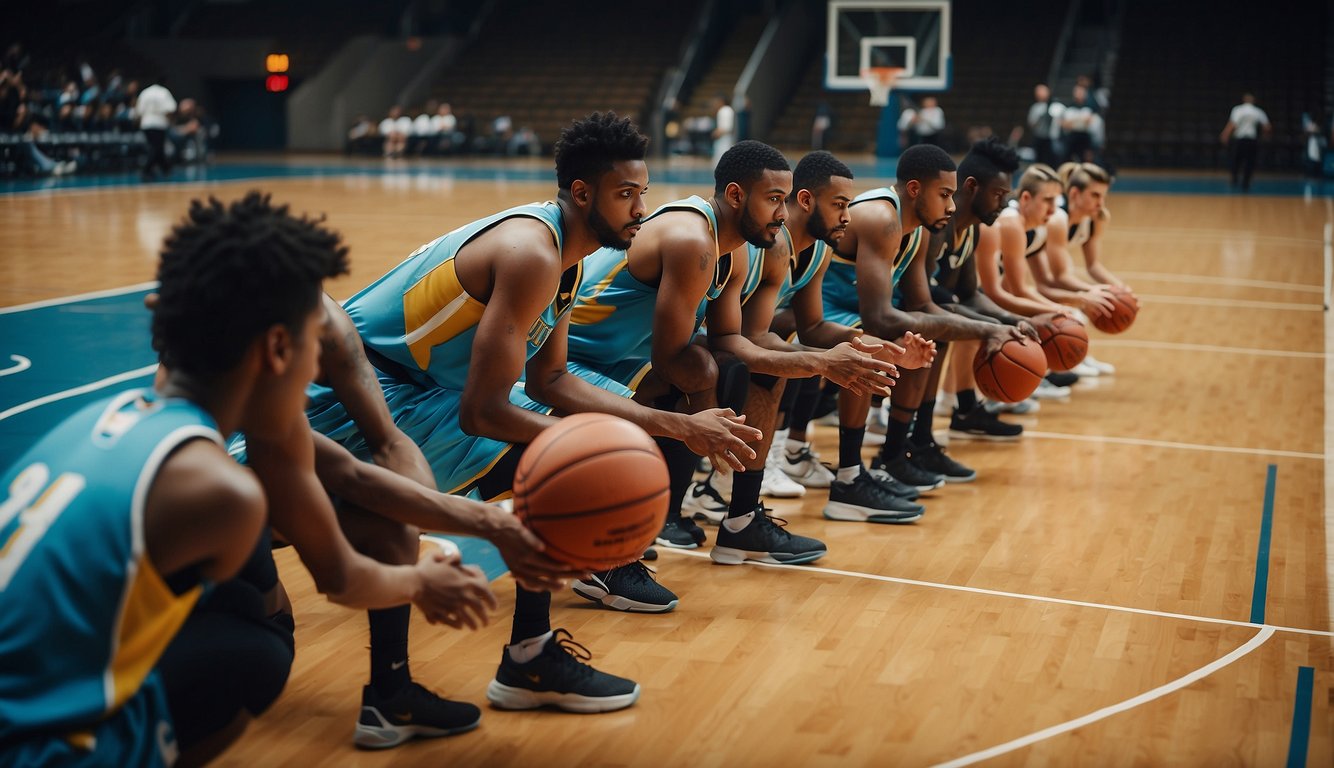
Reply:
x=622 y=378
x=430 y=418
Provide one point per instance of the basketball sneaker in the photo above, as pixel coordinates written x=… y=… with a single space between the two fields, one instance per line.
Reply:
x=413 y=712
x=981 y=424
x=894 y=486
x=559 y=676
x=707 y=499
x=1106 y=369
x=775 y=482
x=864 y=500
x=877 y=424
x=757 y=536
x=1021 y=408
x=629 y=588
x=681 y=533
x=907 y=473
x=804 y=466
x=1049 y=391
x=933 y=458
x=1085 y=371
x=1062 y=378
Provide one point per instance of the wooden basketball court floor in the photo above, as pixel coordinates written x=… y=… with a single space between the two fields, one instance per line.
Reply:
x=1144 y=579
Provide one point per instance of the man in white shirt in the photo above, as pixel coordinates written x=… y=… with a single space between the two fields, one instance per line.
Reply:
x=1243 y=127
x=154 y=107
x=724 y=127
x=1044 y=118
x=395 y=129
x=445 y=126
x=924 y=124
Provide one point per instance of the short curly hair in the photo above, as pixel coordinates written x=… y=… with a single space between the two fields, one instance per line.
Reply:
x=816 y=169
x=923 y=163
x=745 y=162
x=587 y=148
x=227 y=273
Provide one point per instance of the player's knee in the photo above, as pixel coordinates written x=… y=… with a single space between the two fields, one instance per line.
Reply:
x=733 y=383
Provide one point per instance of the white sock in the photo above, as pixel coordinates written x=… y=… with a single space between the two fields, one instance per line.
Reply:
x=848 y=474
x=525 y=651
x=738 y=524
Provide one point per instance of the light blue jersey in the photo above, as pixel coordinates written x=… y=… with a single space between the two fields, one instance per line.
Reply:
x=802 y=268
x=84 y=615
x=611 y=326
x=841 y=303
x=418 y=325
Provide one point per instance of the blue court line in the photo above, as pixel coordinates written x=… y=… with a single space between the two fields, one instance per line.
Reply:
x=1262 y=554
x=1301 y=718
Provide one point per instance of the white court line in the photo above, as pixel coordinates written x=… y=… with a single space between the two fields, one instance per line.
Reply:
x=1010 y=595
x=76 y=391
x=78 y=297
x=1169 y=444
x=1231 y=303
x=1144 y=344
x=1213 y=280
x=20 y=365
x=1106 y=712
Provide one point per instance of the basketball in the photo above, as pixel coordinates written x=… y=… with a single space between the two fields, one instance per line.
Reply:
x=1066 y=346
x=594 y=489
x=1013 y=373
x=1124 y=309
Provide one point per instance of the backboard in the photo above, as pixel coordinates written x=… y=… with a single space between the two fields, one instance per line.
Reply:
x=912 y=34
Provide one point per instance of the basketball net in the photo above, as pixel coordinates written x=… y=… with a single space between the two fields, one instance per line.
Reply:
x=880 y=81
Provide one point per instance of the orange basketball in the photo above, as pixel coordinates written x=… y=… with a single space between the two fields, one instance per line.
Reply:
x=1065 y=347
x=1013 y=373
x=1124 y=308
x=594 y=489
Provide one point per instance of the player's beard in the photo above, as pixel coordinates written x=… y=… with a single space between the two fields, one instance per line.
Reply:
x=756 y=233
x=608 y=236
x=919 y=208
x=987 y=218
x=819 y=229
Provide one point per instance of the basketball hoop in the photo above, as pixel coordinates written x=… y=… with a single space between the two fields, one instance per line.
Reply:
x=879 y=81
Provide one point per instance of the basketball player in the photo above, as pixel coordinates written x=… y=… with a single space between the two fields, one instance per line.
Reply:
x=636 y=322
x=740 y=322
x=886 y=243
x=497 y=291
x=121 y=519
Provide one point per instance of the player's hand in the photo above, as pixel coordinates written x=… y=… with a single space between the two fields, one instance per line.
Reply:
x=1001 y=334
x=721 y=435
x=1026 y=327
x=525 y=554
x=918 y=351
x=453 y=593
x=1097 y=302
x=856 y=370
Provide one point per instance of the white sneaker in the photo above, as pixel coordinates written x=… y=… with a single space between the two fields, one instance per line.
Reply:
x=877 y=424
x=778 y=485
x=1106 y=369
x=829 y=419
x=1020 y=408
x=1086 y=371
x=1049 y=391
x=707 y=500
x=803 y=465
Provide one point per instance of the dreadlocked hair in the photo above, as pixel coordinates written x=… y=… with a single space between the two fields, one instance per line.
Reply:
x=988 y=159
x=227 y=273
x=587 y=148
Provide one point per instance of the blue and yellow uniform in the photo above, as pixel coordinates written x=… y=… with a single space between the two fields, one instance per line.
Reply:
x=949 y=262
x=418 y=325
x=841 y=304
x=611 y=326
x=84 y=615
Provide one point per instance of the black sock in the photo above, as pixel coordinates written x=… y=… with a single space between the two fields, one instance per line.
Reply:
x=921 y=433
x=532 y=614
x=389 y=649
x=803 y=408
x=745 y=492
x=681 y=463
x=896 y=438
x=786 y=404
x=850 y=446
x=967 y=401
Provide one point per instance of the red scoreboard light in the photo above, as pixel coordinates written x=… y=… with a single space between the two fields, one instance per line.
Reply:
x=275 y=83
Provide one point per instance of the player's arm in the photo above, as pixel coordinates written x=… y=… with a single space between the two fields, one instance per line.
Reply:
x=1010 y=290
x=1093 y=258
x=937 y=323
x=300 y=511
x=523 y=280
x=688 y=264
x=349 y=374
x=714 y=432
x=1094 y=300
x=878 y=231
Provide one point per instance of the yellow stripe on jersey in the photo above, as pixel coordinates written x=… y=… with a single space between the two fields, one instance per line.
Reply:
x=435 y=310
x=907 y=251
x=149 y=620
x=588 y=311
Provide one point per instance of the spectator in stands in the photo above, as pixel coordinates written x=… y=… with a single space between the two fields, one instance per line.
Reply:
x=1078 y=124
x=448 y=138
x=822 y=125
x=187 y=134
x=154 y=109
x=395 y=129
x=524 y=142
x=15 y=59
x=1044 y=125
x=1313 y=146
x=925 y=124
x=1243 y=128
x=362 y=138
x=724 y=127
x=423 y=132
x=13 y=92
x=124 y=116
x=31 y=128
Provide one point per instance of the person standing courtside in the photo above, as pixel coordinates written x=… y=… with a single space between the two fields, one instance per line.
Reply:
x=1243 y=127
x=154 y=108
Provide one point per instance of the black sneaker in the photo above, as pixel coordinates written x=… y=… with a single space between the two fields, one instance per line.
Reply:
x=559 y=676
x=763 y=539
x=704 y=501
x=902 y=470
x=1062 y=378
x=412 y=712
x=681 y=533
x=981 y=424
x=932 y=458
x=628 y=588
x=650 y=554
x=889 y=483
x=865 y=500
